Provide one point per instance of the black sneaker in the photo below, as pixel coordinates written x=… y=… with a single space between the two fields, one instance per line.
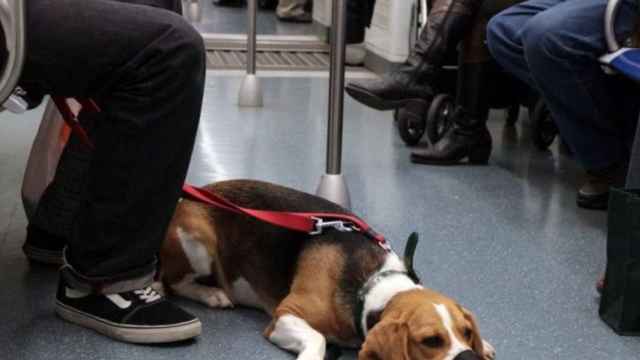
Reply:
x=43 y=247
x=138 y=316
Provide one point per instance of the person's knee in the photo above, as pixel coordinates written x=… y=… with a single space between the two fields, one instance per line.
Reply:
x=545 y=39
x=184 y=44
x=497 y=30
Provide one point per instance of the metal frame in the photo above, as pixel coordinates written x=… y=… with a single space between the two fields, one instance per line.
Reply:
x=610 y=16
x=12 y=20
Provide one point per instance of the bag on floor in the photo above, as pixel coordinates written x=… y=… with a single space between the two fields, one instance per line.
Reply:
x=46 y=150
x=620 y=302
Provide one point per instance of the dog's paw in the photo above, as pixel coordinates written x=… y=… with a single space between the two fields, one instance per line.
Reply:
x=489 y=351
x=216 y=298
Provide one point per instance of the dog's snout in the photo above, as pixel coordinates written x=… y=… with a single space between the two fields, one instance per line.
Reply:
x=467 y=355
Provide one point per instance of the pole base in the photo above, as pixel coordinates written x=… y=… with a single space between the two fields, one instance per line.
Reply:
x=250 y=92
x=334 y=188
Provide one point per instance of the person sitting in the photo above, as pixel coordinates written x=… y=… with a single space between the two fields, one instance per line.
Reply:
x=144 y=66
x=554 y=46
x=450 y=23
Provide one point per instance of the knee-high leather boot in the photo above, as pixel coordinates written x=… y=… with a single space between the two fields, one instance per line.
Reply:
x=448 y=22
x=468 y=137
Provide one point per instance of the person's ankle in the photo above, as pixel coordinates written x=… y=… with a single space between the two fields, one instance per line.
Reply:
x=355 y=54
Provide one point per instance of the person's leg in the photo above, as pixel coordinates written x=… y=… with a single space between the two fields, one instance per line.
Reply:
x=293 y=11
x=556 y=51
x=448 y=23
x=469 y=137
x=145 y=69
x=504 y=33
x=50 y=226
x=359 y=14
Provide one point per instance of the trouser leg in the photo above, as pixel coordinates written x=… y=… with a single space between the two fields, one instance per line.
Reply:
x=145 y=69
x=554 y=46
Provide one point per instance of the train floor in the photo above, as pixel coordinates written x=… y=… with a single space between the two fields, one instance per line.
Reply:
x=506 y=240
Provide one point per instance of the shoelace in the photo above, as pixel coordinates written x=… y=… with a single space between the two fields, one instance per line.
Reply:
x=147 y=294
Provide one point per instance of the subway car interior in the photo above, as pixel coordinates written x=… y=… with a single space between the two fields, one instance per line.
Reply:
x=490 y=144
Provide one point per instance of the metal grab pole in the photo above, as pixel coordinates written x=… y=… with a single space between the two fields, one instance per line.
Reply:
x=332 y=184
x=250 y=90
x=192 y=10
x=12 y=21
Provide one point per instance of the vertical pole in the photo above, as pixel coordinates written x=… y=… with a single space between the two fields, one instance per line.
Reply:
x=336 y=88
x=333 y=185
x=250 y=90
x=252 y=8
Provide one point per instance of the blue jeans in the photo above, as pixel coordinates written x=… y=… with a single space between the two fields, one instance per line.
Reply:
x=554 y=45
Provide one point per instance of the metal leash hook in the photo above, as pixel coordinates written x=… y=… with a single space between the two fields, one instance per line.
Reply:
x=250 y=90
x=339 y=225
x=333 y=186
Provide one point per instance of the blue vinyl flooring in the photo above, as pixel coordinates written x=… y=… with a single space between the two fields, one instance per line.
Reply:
x=506 y=240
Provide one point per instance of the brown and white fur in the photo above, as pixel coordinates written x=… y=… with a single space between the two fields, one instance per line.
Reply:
x=309 y=284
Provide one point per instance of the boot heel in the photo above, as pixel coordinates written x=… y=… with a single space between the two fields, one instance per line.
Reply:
x=480 y=155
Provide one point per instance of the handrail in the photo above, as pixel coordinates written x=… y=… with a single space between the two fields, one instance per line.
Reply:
x=12 y=20
x=610 y=16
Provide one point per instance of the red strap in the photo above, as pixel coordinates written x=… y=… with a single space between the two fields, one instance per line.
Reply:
x=297 y=221
x=307 y=222
x=71 y=120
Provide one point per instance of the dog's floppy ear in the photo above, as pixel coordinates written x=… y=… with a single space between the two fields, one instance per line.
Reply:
x=476 y=340
x=388 y=340
x=409 y=252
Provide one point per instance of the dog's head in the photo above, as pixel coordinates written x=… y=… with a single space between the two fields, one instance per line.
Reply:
x=423 y=324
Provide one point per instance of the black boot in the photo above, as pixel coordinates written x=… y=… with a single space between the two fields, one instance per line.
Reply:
x=468 y=138
x=448 y=22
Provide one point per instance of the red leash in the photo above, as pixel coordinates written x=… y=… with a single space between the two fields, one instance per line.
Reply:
x=312 y=223
x=72 y=120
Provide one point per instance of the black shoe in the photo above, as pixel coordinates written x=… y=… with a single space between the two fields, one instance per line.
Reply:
x=139 y=316
x=466 y=139
x=303 y=18
x=230 y=3
x=449 y=21
x=392 y=91
x=43 y=247
x=594 y=194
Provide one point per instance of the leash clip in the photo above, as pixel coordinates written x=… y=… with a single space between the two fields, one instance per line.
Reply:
x=341 y=226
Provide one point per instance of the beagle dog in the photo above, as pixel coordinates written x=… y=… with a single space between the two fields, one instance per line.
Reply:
x=337 y=287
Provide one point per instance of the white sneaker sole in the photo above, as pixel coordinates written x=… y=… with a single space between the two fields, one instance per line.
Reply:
x=131 y=333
